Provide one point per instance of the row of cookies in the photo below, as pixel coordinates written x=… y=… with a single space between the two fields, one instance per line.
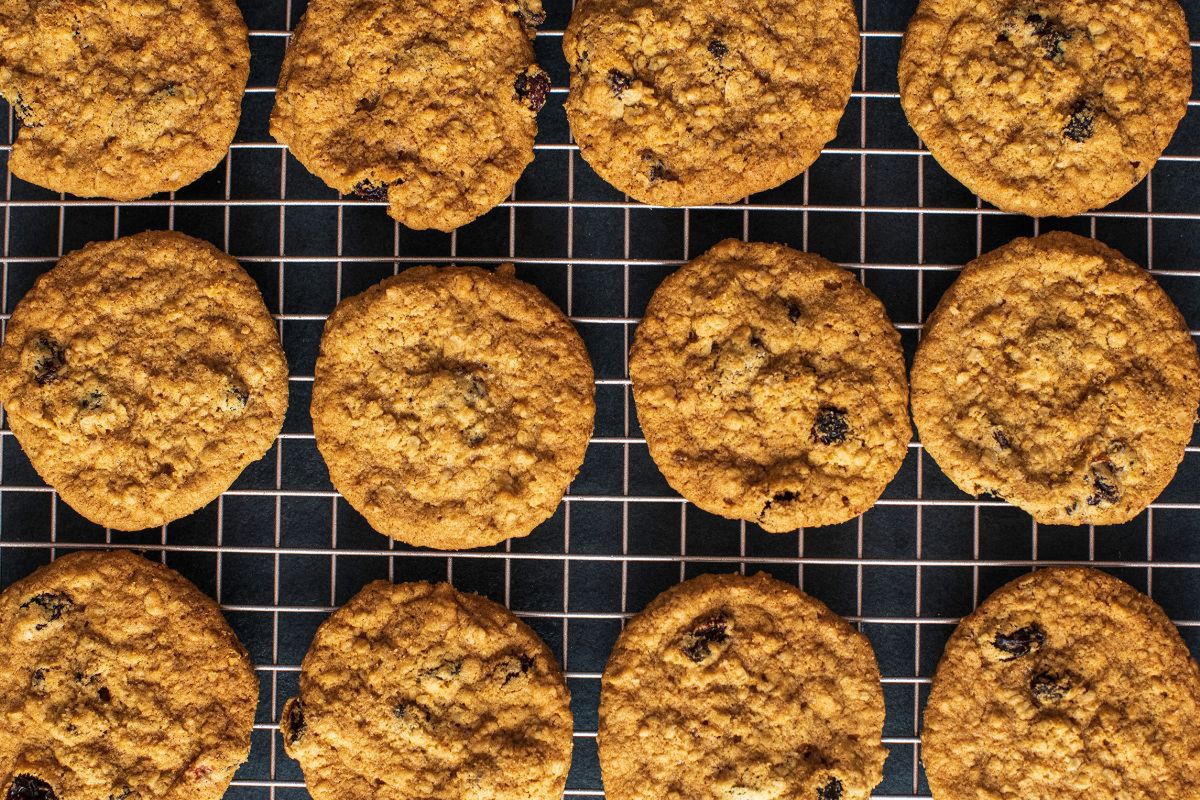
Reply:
x=1046 y=108
x=453 y=406
x=122 y=680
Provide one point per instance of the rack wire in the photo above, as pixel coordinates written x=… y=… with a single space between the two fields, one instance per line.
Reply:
x=281 y=549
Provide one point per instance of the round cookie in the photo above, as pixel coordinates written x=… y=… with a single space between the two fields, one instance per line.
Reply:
x=1046 y=107
x=1056 y=374
x=418 y=690
x=429 y=104
x=1066 y=684
x=141 y=376
x=734 y=687
x=121 y=100
x=452 y=406
x=770 y=387
x=120 y=680
x=692 y=102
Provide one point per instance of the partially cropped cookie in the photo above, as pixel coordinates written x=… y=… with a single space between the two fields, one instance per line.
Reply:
x=734 y=687
x=428 y=104
x=691 y=102
x=1056 y=373
x=120 y=680
x=1065 y=683
x=1046 y=107
x=418 y=690
x=452 y=406
x=141 y=376
x=770 y=387
x=122 y=99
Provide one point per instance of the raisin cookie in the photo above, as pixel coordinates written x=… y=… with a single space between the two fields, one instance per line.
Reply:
x=770 y=387
x=120 y=680
x=418 y=690
x=692 y=102
x=1069 y=684
x=121 y=100
x=1046 y=107
x=734 y=687
x=452 y=406
x=141 y=376
x=429 y=104
x=1056 y=374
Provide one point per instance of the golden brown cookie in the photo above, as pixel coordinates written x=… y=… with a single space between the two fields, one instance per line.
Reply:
x=429 y=104
x=1056 y=374
x=452 y=406
x=1064 y=684
x=733 y=687
x=120 y=680
x=770 y=387
x=141 y=376
x=417 y=690
x=1046 y=107
x=121 y=99
x=692 y=102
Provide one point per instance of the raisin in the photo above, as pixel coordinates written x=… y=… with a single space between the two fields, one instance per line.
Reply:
x=793 y=312
x=367 y=103
x=618 y=81
x=524 y=664
x=700 y=639
x=92 y=400
x=533 y=86
x=1048 y=688
x=37 y=680
x=530 y=19
x=1079 y=126
x=1104 y=484
x=1001 y=439
x=718 y=49
x=52 y=603
x=756 y=342
x=104 y=694
x=49 y=362
x=1020 y=642
x=368 y=189
x=27 y=787
x=786 y=496
x=293 y=721
x=830 y=426
x=831 y=790
x=474 y=438
x=659 y=172
x=1050 y=35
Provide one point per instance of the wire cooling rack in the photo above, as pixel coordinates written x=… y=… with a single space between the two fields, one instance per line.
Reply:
x=281 y=550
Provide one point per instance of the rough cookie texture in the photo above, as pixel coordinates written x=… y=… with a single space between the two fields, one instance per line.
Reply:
x=734 y=687
x=691 y=102
x=452 y=406
x=1046 y=107
x=141 y=376
x=120 y=680
x=431 y=104
x=417 y=690
x=770 y=387
x=1056 y=374
x=121 y=99
x=1064 y=684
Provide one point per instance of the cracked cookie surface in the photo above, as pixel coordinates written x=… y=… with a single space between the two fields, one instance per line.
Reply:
x=1046 y=107
x=1058 y=375
x=733 y=687
x=121 y=100
x=141 y=376
x=770 y=387
x=691 y=102
x=418 y=690
x=452 y=406
x=429 y=104
x=1068 y=684
x=121 y=680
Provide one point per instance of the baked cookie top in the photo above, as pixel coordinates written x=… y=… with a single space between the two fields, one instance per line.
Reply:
x=452 y=406
x=734 y=687
x=770 y=387
x=1056 y=374
x=121 y=100
x=120 y=680
x=1065 y=684
x=1046 y=107
x=418 y=690
x=691 y=102
x=141 y=376
x=429 y=104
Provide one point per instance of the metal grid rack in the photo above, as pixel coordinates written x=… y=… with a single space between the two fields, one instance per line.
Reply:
x=281 y=550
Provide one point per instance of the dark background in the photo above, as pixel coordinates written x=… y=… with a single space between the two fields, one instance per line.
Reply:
x=281 y=550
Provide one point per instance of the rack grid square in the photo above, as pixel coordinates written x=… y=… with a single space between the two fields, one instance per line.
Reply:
x=280 y=550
